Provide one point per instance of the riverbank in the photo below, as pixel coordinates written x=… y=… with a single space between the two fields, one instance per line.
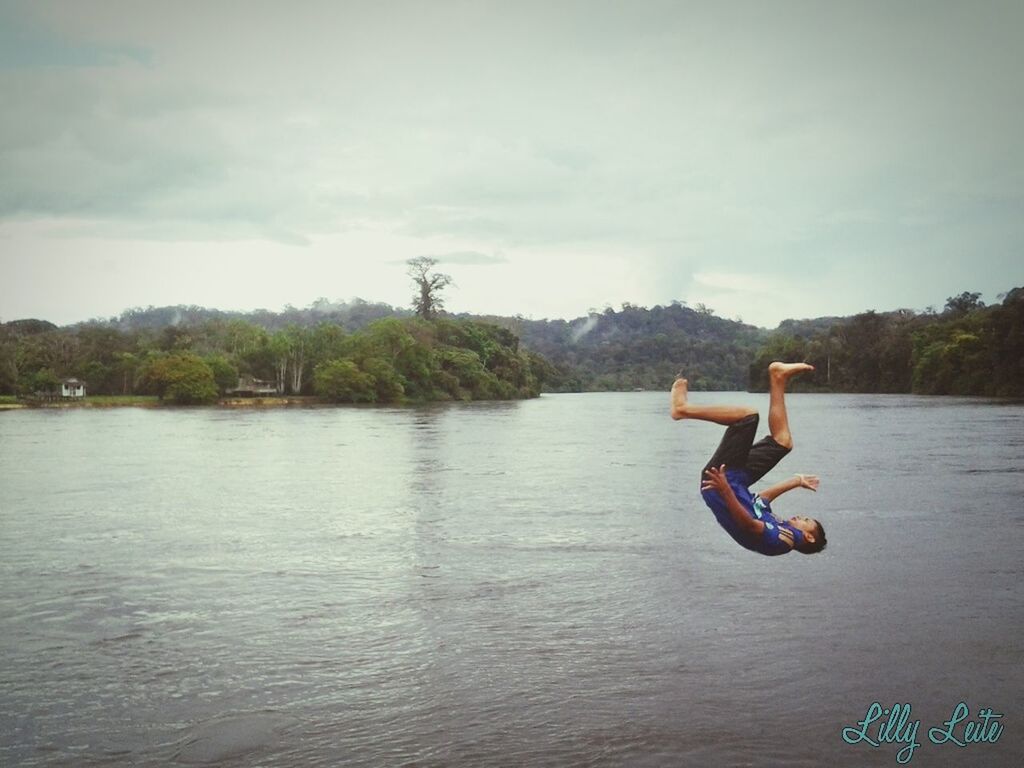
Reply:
x=94 y=401
x=151 y=401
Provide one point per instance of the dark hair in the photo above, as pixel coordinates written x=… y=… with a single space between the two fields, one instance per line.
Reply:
x=819 y=543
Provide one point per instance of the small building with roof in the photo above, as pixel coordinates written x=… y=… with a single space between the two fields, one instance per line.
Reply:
x=249 y=386
x=72 y=388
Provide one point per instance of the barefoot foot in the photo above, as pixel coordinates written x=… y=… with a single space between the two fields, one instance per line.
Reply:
x=783 y=371
x=679 y=390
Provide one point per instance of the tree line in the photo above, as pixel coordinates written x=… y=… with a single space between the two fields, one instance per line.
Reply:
x=390 y=360
x=195 y=356
x=363 y=352
x=967 y=349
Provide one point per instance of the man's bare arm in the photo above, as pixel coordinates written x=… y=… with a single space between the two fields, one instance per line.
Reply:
x=810 y=482
x=716 y=481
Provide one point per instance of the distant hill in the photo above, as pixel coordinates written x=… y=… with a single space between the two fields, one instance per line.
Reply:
x=640 y=348
x=28 y=327
x=805 y=329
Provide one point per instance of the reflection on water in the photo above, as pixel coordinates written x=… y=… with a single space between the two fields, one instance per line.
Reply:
x=490 y=584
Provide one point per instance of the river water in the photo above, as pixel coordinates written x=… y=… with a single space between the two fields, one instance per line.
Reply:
x=529 y=583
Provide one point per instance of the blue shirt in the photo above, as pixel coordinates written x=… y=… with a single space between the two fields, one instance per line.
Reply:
x=768 y=543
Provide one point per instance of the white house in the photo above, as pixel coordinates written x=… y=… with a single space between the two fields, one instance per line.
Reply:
x=72 y=388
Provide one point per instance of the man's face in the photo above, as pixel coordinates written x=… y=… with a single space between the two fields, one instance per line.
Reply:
x=805 y=524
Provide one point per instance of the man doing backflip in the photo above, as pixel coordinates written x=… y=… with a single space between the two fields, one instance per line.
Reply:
x=739 y=462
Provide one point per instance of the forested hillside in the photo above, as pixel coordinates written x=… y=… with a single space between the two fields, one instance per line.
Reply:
x=643 y=348
x=967 y=349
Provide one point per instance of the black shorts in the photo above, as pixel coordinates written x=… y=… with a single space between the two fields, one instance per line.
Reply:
x=739 y=451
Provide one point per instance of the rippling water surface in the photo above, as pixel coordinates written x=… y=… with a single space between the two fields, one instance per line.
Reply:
x=532 y=583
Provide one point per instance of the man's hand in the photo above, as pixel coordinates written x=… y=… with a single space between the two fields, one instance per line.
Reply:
x=742 y=519
x=810 y=482
x=715 y=480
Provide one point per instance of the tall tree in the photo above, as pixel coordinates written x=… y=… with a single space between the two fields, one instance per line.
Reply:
x=280 y=349
x=427 y=302
x=964 y=303
x=298 y=351
x=126 y=365
x=181 y=378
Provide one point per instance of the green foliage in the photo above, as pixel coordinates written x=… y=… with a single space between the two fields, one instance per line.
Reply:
x=964 y=303
x=96 y=375
x=641 y=348
x=1004 y=339
x=240 y=337
x=176 y=338
x=8 y=368
x=125 y=368
x=115 y=362
x=970 y=349
x=465 y=377
x=241 y=331
x=327 y=342
x=43 y=380
x=224 y=373
x=183 y=379
x=636 y=347
x=343 y=382
x=387 y=383
x=394 y=360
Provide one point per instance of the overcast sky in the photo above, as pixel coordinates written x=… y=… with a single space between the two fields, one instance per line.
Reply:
x=768 y=159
